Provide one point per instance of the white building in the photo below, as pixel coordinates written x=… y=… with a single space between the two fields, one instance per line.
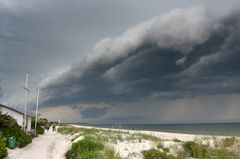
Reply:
x=18 y=116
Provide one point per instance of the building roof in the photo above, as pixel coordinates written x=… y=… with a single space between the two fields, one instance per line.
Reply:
x=1 y=105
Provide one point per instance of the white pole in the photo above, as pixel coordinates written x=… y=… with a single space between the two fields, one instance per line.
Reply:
x=25 y=102
x=36 y=118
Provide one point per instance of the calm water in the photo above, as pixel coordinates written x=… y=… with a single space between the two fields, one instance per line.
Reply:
x=229 y=129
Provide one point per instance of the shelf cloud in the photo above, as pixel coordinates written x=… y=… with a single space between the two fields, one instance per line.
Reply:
x=184 y=52
x=128 y=61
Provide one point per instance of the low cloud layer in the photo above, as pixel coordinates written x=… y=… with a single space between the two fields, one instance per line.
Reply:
x=185 y=52
x=93 y=112
x=1 y=92
x=200 y=109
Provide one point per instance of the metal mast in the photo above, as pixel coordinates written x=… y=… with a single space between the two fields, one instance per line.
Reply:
x=36 y=118
x=25 y=102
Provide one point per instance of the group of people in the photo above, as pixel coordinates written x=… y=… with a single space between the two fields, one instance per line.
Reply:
x=48 y=126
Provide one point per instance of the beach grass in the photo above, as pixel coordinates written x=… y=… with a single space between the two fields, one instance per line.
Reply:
x=199 y=148
x=155 y=154
x=91 y=149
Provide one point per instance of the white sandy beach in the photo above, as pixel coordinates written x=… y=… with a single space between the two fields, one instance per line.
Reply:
x=51 y=145
x=162 y=135
x=132 y=149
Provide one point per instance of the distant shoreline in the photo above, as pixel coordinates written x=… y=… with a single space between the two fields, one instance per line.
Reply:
x=209 y=129
x=163 y=135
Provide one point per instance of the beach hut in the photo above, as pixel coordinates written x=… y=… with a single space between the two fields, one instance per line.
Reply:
x=17 y=115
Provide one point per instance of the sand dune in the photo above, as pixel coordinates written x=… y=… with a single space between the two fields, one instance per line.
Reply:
x=53 y=145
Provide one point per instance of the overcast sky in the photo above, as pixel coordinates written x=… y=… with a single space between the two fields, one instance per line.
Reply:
x=130 y=61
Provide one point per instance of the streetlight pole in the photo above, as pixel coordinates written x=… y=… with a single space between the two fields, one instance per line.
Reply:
x=36 y=118
x=25 y=102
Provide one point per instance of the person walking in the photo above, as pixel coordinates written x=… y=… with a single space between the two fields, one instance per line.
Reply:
x=53 y=127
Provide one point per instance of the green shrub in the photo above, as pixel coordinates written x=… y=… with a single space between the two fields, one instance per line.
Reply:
x=110 y=154
x=160 y=146
x=229 y=141
x=22 y=139
x=201 y=151
x=84 y=149
x=89 y=145
x=3 y=150
x=89 y=149
x=41 y=122
x=39 y=129
x=176 y=140
x=90 y=155
x=156 y=154
x=151 y=154
x=10 y=128
x=190 y=148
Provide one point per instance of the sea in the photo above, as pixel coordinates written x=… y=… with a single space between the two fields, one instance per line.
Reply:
x=214 y=129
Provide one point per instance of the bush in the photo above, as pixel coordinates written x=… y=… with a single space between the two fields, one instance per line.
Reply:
x=176 y=140
x=3 y=150
x=89 y=145
x=10 y=128
x=190 y=148
x=151 y=154
x=160 y=146
x=85 y=149
x=110 y=154
x=22 y=139
x=90 y=155
x=41 y=122
x=202 y=151
x=229 y=141
x=196 y=150
x=156 y=154
x=39 y=129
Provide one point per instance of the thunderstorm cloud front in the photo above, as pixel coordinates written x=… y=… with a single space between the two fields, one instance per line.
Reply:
x=182 y=61
x=181 y=53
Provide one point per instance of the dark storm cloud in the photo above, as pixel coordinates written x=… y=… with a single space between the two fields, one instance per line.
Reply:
x=1 y=92
x=1 y=89
x=128 y=118
x=93 y=112
x=43 y=36
x=183 y=52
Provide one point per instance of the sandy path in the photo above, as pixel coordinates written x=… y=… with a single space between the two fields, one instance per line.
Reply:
x=51 y=145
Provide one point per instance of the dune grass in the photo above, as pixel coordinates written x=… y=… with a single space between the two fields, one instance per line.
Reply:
x=226 y=148
x=89 y=149
x=93 y=146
